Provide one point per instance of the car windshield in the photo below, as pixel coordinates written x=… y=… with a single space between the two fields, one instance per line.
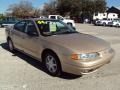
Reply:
x=54 y=27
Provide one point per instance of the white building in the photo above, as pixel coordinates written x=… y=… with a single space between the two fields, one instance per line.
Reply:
x=104 y=15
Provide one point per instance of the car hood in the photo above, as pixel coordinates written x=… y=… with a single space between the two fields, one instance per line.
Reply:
x=78 y=42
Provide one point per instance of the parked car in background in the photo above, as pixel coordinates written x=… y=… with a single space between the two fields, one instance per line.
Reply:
x=67 y=21
x=104 y=22
x=8 y=21
x=116 y=23
x=58 y=46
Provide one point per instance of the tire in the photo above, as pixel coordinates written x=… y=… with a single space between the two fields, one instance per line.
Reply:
x=10 y=45
x=117 y=25
x=104 y=24
x=52 y=64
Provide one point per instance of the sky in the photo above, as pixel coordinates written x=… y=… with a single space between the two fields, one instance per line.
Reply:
x=4 y=4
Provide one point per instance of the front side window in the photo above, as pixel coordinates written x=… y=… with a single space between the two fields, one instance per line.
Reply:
x=20 y=26
x=60 y=18
x=52 y=17
x=54 y=27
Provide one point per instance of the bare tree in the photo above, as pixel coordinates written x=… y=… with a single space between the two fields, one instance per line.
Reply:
x=36 y=12
x=23 y=9
x=49 y=8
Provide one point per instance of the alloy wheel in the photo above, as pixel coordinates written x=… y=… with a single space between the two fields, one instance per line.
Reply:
x=51 y=64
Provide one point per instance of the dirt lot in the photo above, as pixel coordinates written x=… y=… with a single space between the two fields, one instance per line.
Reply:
x=20 y=72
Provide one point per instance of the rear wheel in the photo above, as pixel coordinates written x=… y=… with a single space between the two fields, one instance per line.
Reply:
x=117 y=25
x=10 y=45
x=104 y=24
x=52 y=64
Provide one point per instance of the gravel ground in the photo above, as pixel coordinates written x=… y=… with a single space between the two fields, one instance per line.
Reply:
x=20 y=72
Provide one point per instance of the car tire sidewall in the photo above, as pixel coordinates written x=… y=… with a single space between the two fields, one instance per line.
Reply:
x=104 y=24
x=10 y=45
x=58 y=71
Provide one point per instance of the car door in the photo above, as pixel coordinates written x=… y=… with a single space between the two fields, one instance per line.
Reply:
x=32 y=40
x=18 y=34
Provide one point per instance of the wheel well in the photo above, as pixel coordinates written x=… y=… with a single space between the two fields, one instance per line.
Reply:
x=47 y=51
x=50 y=51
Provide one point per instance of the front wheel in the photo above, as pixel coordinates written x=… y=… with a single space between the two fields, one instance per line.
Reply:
x=52 y=64
x=10 y=45
x=104 y=24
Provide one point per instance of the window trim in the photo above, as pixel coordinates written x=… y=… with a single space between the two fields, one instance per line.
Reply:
x=34 y=25
x=20 y=30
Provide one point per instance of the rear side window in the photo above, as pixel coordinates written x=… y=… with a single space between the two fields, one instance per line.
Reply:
x=20 y=26
x=96 y=14
x=52 y=17
x=31 y=28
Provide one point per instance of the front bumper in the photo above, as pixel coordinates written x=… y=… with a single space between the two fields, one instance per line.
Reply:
x=87 y=67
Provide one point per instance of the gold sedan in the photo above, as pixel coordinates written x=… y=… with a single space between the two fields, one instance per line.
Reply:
x=59 y=46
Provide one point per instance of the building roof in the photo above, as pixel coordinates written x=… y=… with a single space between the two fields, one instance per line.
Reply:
x=114 y=10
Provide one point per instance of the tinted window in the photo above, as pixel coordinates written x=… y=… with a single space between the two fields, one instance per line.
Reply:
x=52 y=17
x=59 y=18
x=54 y=27
x=96 y=14
x=104 y=18
x=20 y=26
x=31 y=28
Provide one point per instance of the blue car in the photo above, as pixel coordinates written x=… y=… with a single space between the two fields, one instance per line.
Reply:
x=8 y=21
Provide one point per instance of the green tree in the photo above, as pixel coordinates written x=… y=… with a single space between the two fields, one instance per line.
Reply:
x=100 y=5
x=76 y=7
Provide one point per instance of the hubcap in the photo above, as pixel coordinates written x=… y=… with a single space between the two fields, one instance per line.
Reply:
x=10 y=45
x=51 y=64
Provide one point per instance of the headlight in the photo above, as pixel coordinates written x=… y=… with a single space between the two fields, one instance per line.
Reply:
x=85 y=56
x=89 y=56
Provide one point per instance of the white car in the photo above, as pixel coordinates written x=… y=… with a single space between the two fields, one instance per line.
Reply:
x=67 y=21
x=105 y=22
x=116 y=23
